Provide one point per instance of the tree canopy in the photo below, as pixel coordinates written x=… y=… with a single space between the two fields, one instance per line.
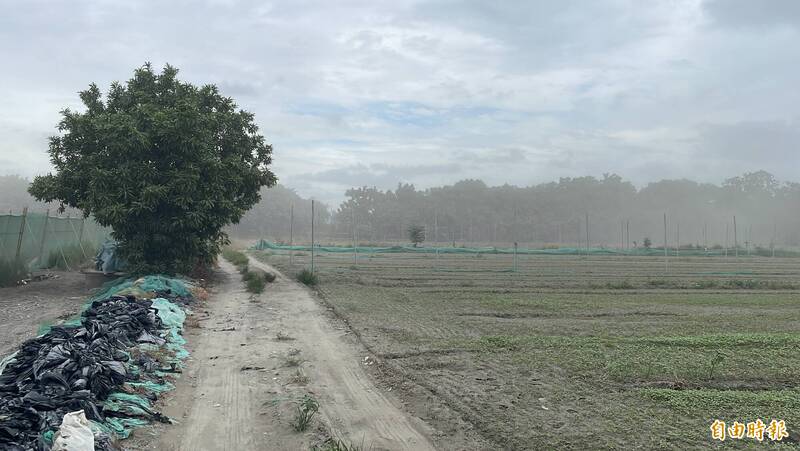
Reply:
x=164 y=163
x=469 y=211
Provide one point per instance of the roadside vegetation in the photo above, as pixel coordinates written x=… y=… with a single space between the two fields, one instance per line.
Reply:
x=255 y=279
x=71 y=256
x=11 y=272
x=308 y=278
x=307 y=408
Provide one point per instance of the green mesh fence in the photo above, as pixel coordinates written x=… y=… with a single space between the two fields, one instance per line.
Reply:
x=267 y=245
x=40 y=241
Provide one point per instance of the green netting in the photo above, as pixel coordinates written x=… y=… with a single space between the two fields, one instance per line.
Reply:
x=172 y=316
x=48 y=437
x=266 y=245
x=152 y=387
x=119 y=427
x=44 y=240
x=163 y=283
x=133 y=405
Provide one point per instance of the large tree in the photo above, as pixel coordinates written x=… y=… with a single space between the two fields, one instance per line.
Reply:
x=164 y=163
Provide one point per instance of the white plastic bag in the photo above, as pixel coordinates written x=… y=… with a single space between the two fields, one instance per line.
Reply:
x=74 y=434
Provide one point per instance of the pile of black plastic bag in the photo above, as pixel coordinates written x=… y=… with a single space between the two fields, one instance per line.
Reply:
x=73 y=368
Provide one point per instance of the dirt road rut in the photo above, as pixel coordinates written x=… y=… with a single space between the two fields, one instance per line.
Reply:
x=253 y=357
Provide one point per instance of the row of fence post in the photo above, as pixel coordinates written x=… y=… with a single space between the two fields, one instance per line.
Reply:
x=624 y=238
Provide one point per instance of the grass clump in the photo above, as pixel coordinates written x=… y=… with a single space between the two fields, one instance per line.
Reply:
x=657 y=283
x=619 y=285
x=308 y=278
x=705 y=398
x=306 y=410
x=293 y=362
x=70 y=256
x=255 y=280
x=706 y=284
x=299 y=378
x=11 y=272
x=238 y=258
x=751 y=284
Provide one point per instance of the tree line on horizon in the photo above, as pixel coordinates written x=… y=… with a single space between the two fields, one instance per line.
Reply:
x=767 y=211
x=554 y=213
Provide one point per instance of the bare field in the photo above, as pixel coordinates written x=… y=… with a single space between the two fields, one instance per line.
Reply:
x=575 y=352
x=491 y=271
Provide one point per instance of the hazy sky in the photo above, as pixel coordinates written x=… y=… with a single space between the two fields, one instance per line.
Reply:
x=430 y=92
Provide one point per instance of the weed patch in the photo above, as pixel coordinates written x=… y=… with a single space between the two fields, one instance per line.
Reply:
x=70 y=256
x=713 y=399
x=238 y=258
x=306 y=277
x=11 y=272
x=619 y=285
x=306 y=410
x=254 y=282
x=298 y=378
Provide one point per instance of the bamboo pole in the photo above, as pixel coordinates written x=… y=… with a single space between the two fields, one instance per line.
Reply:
x=435 y=228
x=312 y=236
x=291 y=235
x=727 y=232
x=355 y=248
x=44 y=235
x=75 y=232
x=515 y=257
x=628 y=234
x=774 y=237
x=666 y=256
x=587 y=234
x=21 y=231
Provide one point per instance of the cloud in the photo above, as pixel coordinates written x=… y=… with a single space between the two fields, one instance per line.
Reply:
x=753 y=143
x=750 y=14
x=364 y=92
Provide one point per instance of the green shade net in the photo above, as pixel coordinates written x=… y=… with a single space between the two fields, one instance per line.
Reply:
x=132 y=401
x=43 y=240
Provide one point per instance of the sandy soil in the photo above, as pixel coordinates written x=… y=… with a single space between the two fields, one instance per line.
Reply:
x=254 y=357
x=24 y=309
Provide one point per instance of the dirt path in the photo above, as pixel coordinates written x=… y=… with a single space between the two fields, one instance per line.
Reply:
x=25 y=309
x=254 y=356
